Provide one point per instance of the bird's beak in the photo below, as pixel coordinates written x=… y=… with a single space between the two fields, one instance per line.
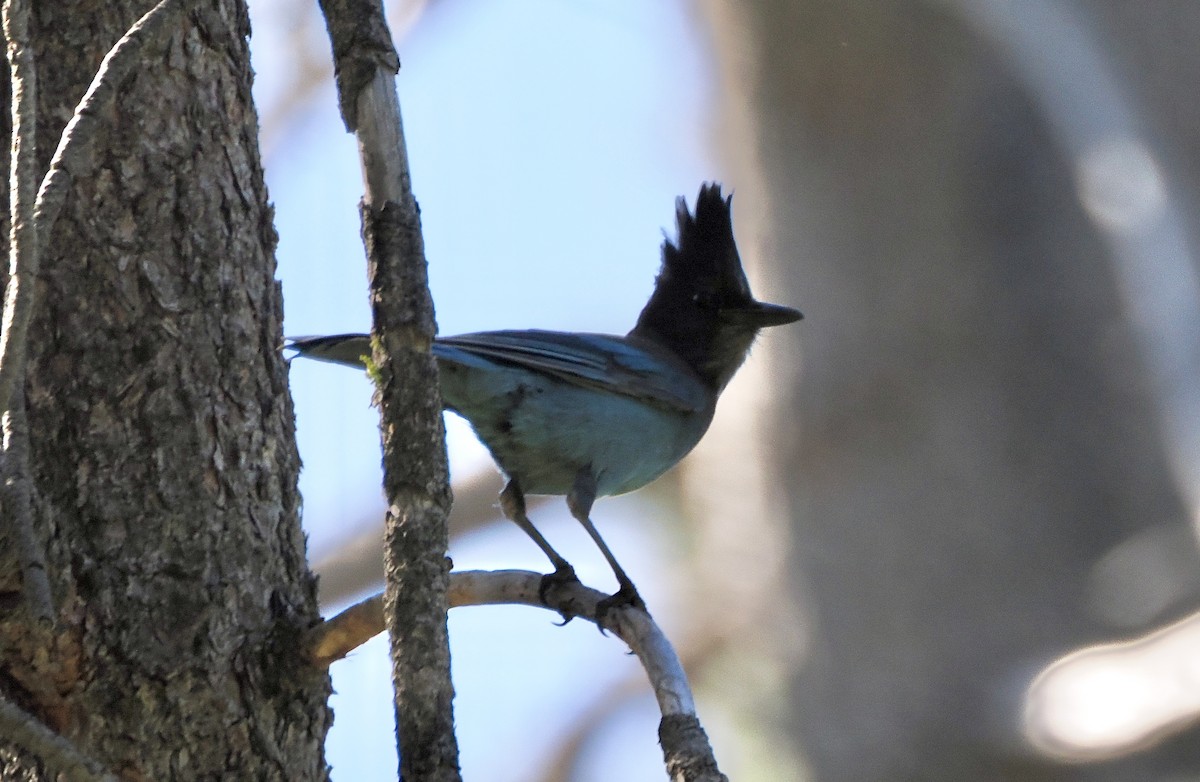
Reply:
x=759 y=314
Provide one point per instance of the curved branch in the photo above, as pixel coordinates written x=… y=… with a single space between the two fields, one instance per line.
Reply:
x=72 y=158
x=685 y=747
x=33 y=220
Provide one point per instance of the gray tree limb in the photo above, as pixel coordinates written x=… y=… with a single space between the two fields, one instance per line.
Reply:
x=416 y=475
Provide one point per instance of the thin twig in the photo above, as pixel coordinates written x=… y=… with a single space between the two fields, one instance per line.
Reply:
x=685 y=747
x=25 y=731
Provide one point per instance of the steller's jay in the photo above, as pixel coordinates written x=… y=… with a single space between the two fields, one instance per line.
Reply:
x=590 y=415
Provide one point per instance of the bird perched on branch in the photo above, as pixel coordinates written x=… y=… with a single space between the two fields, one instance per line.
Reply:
x=591 y=415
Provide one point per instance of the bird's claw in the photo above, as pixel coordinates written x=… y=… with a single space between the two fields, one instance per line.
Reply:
x=625 y=597
x=560 y=577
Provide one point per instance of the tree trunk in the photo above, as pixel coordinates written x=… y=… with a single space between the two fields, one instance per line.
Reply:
x=161 y=425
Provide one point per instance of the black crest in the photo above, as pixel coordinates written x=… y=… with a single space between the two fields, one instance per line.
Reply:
x=704 y=255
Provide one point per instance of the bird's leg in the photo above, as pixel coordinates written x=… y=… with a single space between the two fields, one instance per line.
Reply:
x=579 y=500
x=512 y=504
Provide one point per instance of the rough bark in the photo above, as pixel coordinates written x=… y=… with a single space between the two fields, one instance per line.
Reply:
x=417 y=485
x=161 y=426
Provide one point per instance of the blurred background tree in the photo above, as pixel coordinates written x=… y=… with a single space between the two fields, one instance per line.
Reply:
x=978 y=454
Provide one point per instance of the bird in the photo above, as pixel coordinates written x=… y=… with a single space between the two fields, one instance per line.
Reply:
x=595 y=415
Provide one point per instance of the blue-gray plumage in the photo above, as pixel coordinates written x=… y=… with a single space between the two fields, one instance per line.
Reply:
x=592 y=415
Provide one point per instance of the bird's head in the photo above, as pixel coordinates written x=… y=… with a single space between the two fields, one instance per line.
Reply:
x=702 y=308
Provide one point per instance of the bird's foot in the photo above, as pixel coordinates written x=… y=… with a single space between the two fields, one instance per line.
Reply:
x=562 y=576
x=625 y=597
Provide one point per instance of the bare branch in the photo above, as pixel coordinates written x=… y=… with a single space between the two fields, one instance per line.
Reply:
x=24 y=730
x=335 y=638
x=635 y=628
x=685 y=747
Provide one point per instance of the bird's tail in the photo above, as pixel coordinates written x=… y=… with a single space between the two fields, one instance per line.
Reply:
x=349 y=349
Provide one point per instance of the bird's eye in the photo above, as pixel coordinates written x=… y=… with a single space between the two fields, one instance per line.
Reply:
x=705 y=299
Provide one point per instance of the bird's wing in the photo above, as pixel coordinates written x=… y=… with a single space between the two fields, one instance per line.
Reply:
x=599 y=361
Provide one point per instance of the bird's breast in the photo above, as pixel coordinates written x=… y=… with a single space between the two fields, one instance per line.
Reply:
x=543 y=431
